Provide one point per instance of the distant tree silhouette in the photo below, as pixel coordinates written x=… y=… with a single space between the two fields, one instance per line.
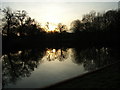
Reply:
x=62 y=28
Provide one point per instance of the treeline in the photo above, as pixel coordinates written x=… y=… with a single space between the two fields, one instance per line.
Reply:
x=97 y=22
x=18 y=23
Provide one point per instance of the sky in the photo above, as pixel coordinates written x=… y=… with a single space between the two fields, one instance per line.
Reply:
x=55 y=11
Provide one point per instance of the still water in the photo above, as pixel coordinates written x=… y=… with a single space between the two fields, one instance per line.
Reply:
x=37 y=68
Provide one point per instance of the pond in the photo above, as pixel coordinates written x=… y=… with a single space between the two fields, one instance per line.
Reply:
x=38 y=68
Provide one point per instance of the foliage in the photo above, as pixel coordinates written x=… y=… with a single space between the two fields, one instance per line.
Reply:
x=18 y=23
x=96 y=22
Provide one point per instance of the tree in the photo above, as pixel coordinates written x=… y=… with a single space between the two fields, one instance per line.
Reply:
x=21 y=17
x=89 y=17
x=88 y=20
x=8 y=16
x=75 y=25
x=60 y=27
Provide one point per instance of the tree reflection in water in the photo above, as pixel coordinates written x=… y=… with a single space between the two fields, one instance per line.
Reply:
x=21 y=64
x=56 y=54
x=93 y=58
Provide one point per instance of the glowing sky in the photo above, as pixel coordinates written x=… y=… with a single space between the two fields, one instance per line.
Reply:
x=64 y=11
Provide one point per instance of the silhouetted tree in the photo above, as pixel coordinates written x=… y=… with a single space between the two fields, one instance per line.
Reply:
x=75 y=26
x=87 y=21
x=9 y=19
x=21 y=17
x=89 y=17
x=19 y=23
x=47 y=25
x=62 y=28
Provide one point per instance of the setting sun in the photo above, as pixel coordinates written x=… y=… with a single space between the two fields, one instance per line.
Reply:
x=51 y=27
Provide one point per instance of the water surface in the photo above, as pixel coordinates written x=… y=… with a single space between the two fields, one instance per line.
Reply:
x=37 y=68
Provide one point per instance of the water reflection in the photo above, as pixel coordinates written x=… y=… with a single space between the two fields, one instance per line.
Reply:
x=56 y=54
x=21 y=64
x=93 y=58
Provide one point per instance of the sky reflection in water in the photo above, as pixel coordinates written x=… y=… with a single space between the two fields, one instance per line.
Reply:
x=36 y=68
